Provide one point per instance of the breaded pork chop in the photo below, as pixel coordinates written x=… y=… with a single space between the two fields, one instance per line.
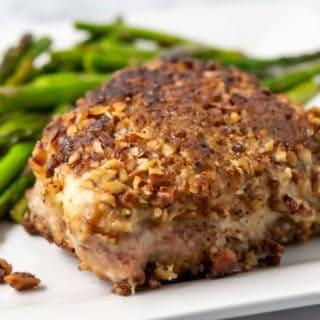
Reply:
x=177 y=169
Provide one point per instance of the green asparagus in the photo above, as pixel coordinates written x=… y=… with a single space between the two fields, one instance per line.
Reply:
x=14 y=192
x=8 y=116
x=305 y=91
x=13 y=162
x=68 y=60
x=18 y=211
x=122 y=31
x=48 y=91
x=292 y=76
x=260 y=67
x=25 y=68
x=22 y=127
x=13 y=56
x=106 y=62
x=107 y=55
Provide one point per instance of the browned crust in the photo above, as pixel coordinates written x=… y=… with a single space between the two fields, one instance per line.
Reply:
x=208 y=114
x=158 y=97
x=34 y=225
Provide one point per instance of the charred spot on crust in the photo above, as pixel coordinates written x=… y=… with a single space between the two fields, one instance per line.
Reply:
x=238 y=147
x=270 y=260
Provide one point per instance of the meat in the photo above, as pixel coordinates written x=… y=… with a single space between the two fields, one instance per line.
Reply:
x=175 y=170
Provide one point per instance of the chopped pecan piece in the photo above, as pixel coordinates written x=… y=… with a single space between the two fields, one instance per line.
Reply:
x=21 y=281
x=5 y=269
x=123 y=288
x=272 y=247
x=158 y=180
x=225 y=262
x=129 y=199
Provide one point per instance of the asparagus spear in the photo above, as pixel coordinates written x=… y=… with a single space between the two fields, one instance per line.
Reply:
x=121 y=31
x=48 y=91
x=13 y=162
x=113 y=59
x=124 y=32
x=106 y=55
x=99 y=62
x=25 y=68
x=293 y=76
x=68 y=59
x=21 y=128
x=19 y=209
x=260 y=67
x=13 y=56
x=103 y=30
x=303 y=92
x=112 y=47
x=10 y=197
x=14 y=192
x=9 y=116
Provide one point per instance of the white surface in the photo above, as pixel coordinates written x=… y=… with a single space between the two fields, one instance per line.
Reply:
x=264 y=28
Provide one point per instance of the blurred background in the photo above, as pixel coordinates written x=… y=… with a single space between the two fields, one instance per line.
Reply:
x=260 y=27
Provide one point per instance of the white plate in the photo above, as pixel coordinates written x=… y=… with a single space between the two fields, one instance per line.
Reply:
x=67 y=293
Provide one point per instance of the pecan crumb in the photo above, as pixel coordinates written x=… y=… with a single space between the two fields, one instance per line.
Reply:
x=5 y=269
x=123 y=288
x=291 y=204
x=272 y=247
x=21 y=281
x=28 y=226
x=225 y=262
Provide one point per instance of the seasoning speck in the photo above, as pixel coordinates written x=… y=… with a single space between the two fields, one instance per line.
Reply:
x=238 y=147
